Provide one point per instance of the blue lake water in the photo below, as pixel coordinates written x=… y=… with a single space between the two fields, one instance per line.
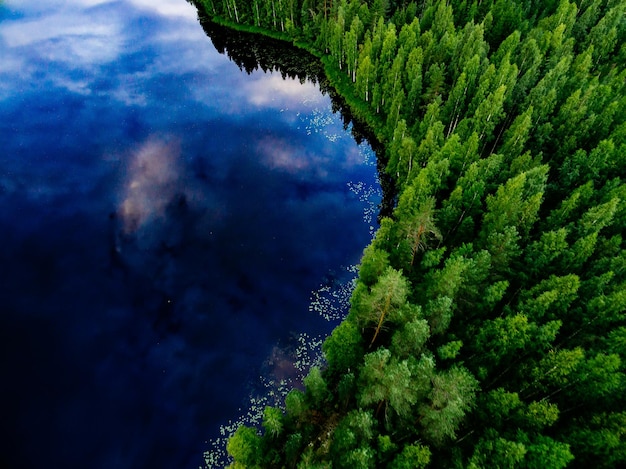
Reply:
x=169 y=227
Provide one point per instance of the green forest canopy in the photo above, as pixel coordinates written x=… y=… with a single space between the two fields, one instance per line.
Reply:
x=487 y=327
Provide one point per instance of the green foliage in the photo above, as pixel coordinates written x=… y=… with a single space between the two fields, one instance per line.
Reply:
x=541 y=254
x=292 y=447
x=355 y=429
x=505 y=338
x=439 y=314
x=544 y=452
x=385 y=447
x=381 y=303
x=344 y=349
x=346 y=389
x=601 y=441
x=417 y=229
x=540 y=414
x=451 y=397
x=361 y=458
x=295 y=403
x=386 y=381
x=410 y=339
x=450 y=350
x=316 y=387
x=494 y=451
x=412 y=457
x=245 y=447
x=550 y=298
x=373 y=263
x=272 y=421
x=515 y=204
x=499 y=406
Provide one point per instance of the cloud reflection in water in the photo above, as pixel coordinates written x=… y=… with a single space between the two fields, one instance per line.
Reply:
x=153 y=182
x=165 y=218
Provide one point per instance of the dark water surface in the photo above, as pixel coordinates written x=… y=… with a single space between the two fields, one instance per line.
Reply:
x=169 y=225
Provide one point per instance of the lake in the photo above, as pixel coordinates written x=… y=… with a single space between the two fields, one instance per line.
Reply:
x=179 y=231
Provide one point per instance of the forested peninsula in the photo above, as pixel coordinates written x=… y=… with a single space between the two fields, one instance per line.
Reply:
x=487 y=327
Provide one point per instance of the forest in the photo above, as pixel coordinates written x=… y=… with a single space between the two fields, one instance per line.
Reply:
x=487 y=327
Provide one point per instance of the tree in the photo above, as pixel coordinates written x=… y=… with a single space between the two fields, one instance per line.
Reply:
x=337 y=38
x=439 y=313
x=361 y=458
x=497 y=407
x=485 y=84
x=355 y=430
x=432 y=139
x=365 y=72
x=395 y=107
x=292 y=448
x=272 y=421
x=588 y=16
x=413 y=79
x=516 y=135
x=471 y=47
x=504 y=339
x=390 y=56
x=384 y=380
x=603 y=36
x=466 y=200
x=316 y=387
x=495 y=451
x=570 y=207
x=516 y=203
x=435 y=81
x=382 y=303
x=446 y=282
x=295 y=403
x=373 y=263
x=344 y=348
x=245 y=447
x=581 y=167
x=455 y=104
x=412 y=457
x=451 y=397
x=351 y=40
x=543 y=97
x=410 y=339
x=600 y=440
x=529 y=62
x=489 y=113
x=450 y=350
x=556 y=371
x=417 y=228
x=507 y=17
x=545 y=453
x=550 y=298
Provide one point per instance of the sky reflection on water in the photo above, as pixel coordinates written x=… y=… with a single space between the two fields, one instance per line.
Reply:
x=165 y=220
